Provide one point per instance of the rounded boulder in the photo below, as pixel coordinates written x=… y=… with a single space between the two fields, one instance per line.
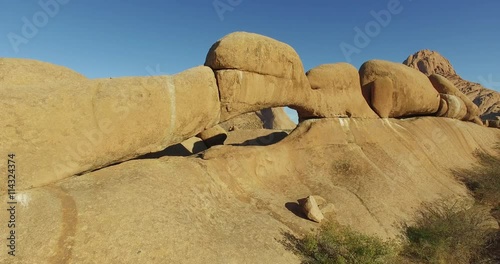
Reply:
x=403 y=92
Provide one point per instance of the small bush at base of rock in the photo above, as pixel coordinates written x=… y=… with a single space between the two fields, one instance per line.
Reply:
x=483 y=180
x=339 y=244
x=448 y=234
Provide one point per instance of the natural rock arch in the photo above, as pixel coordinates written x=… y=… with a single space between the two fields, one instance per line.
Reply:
x=80 y=125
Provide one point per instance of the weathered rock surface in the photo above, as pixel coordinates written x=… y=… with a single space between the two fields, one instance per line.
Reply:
x=230 y=206
x=337 y=88
x=401 y=91
x=444 y=86
x=430 y=62
x=58 y=130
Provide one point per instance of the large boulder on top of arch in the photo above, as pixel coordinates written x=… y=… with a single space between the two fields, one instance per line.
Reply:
x=255 y=72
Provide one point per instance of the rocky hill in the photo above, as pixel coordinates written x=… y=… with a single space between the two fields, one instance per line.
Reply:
x=429 y=62
x=140 y=169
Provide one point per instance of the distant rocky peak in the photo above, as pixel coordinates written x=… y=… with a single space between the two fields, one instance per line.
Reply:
x=429 y=62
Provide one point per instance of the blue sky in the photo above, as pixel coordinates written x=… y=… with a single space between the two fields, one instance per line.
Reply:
x=124 y=37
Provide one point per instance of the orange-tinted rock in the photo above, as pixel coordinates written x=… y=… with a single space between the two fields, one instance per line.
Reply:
x=412 y=92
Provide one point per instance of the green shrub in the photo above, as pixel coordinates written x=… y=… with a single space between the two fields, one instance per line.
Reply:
x=448 y=234
x=483 y=180
x=339 y=244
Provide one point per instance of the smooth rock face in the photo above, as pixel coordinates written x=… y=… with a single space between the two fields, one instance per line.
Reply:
x=367 y=166
x=456 y=108
x=413 y=93
x=242 y=92
x=444 y=86
x=232 y=201
x=337 y=91
x=61 y=129
x=166 y=210
x=311 y=209
x=200 y=81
